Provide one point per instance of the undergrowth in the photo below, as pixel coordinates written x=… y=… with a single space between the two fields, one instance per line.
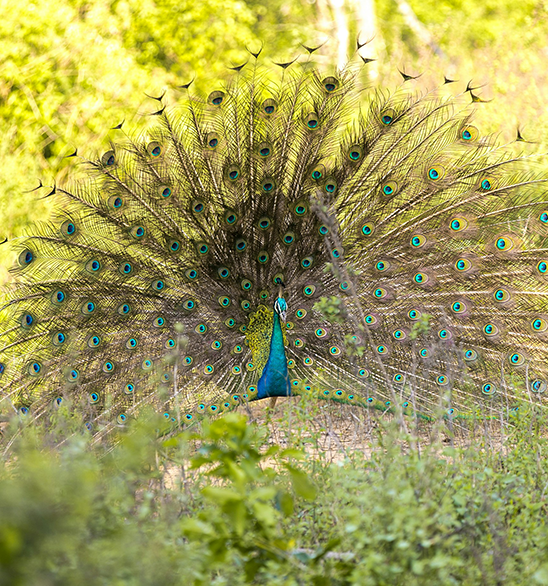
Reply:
x=241 y=502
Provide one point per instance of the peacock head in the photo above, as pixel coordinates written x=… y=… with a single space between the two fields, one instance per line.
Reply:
x=280 y=307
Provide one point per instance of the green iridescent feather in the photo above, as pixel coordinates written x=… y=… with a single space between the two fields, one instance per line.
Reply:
x=411 y=253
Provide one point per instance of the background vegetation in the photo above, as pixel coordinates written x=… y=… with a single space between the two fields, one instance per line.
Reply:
x=302 y=499
x=312 y=496
x=73 y=69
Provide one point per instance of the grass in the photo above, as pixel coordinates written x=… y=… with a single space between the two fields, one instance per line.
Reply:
x=307 y=493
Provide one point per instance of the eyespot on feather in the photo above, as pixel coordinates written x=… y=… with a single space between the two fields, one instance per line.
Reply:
x=269 y=106
x=154 y=149
x=108 y=159
x=468 y=134
x=216 y=98
x=312 y=121
x=330 y=84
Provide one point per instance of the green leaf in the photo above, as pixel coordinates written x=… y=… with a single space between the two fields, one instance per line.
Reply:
x=302 y=485
x=285 y=502
x=329 y=546
x=272 y=450
x=293 y=453
x=237 y=513
x=263 y=493
x=221 y=495
x=195 y=528
x=172 y=442
x=541 y=576
x=265 y=514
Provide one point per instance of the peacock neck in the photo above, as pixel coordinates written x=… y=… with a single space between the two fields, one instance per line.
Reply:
x=274 y=381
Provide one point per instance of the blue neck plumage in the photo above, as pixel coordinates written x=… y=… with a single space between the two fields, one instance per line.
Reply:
x=274 y=381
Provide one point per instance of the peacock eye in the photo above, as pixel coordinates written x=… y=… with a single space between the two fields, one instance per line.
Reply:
x=355 y=153
x=389 y=189
x=147 y=364
x=68 y=228
x=137 y=232
x=154 y=149
x=318 y=173
x=468 y=133
x=233 y=173
x=216 y=98
x=268 y=185
x=388 y=116
x=93 y=266
x=264 y=150
x=330 y=186
x=489 y=389
x=269 y=106
x=212 y=140
x=231 y=217
x=418 y=241
x=288 y=238
x=165 y=191
x=25 y=258
x=58 y=339
x=330 y=84
x=131 y=343
x=435 y=173
x=108 y=159
x=458 y=224
x=312 y=121
x=504 y=243
x=367 y=229
x=241 y=244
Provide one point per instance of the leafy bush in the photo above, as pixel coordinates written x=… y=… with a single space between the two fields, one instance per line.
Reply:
x=225 y=504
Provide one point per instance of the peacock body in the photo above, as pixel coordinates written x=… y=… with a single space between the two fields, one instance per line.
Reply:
x=276 y=238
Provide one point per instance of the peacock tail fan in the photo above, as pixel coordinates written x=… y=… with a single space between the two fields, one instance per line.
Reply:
x=286 y=234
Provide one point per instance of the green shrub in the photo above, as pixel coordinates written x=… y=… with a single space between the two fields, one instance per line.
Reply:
x=224 y=504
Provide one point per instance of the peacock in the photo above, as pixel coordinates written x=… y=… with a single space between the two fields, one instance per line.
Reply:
x=289 y=233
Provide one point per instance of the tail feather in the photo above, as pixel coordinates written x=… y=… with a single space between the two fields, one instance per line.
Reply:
x=411 y=252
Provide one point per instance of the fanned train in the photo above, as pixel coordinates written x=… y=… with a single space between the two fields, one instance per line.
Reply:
x=289 y=233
